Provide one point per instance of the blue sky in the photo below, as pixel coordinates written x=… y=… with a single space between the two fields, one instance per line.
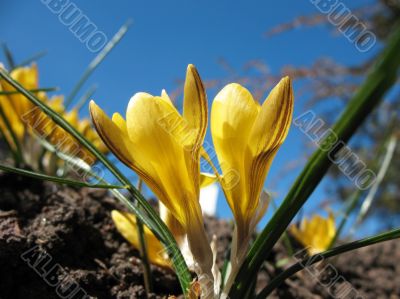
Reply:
x=164 y=38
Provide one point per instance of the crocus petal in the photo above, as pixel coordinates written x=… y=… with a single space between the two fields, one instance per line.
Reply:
x=195 y=104
x=126 y=225
x=272 y=124
x=207 y=179
x=28 y=78
x=232 y=117
x=14 y=121
x=111 y=134
x=159 y=152
x=268 y=133
x=316 y=233
x=172 y=223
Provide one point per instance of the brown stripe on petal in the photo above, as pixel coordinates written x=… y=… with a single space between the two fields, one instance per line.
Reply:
x=259 y=164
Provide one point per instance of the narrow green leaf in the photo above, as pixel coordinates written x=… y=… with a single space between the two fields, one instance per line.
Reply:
x=148 y=216
x=56 y=179
x=97 y=60
x=280 y=278
x=31 y=59
x=381 y=174
x=9 y=56
x=148 y=281
x=378 y=82
x=48 y=89
x=357 y=195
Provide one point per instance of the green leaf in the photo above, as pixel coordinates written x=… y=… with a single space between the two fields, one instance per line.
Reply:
x=391 y=146
x=31 y=59
x=48 y=89
x=369 y=95
x=146 y=214
x=280 y=278
x=148 y=281
x=56 y=179
x=357 y=195
x=9 y=56
x=97 y=60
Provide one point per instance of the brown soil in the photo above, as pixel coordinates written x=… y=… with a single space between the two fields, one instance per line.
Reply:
x=65 y=236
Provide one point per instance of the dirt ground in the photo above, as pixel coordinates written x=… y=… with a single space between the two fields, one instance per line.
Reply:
x=56 y=241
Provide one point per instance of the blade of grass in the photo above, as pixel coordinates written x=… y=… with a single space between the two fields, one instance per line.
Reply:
x=381 y=174
x=285 y=237
x=378 y=82
x=31 y=59
x=148 y=282
x=56 y=179
x=18 y=150
x=9 y=56
x=72 y=160
x=356 y=197
x=97 y=60
x=48 y=89
x=148 y=216
x=279 y=279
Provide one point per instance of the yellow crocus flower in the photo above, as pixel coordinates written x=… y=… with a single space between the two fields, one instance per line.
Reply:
x=16 y=105
x=316 y=234
x=163 y=148
x=13 y=119
x=28 y=77
x=27 y=119
x=246 y=137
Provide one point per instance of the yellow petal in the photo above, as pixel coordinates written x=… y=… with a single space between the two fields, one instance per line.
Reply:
x=120 y=122
x=16 y=105
x=160 y=153
x=166 y=98
x=315 y=233
x=111 y=134
x=232 y=117
x=195 y=104
x=172 y=223
x=268 y=133
x=331 y=230
x=15 y=122
x=207 y=179
x=126 y=225
x=28 y=78
x=72 y=117
x=272 y=124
